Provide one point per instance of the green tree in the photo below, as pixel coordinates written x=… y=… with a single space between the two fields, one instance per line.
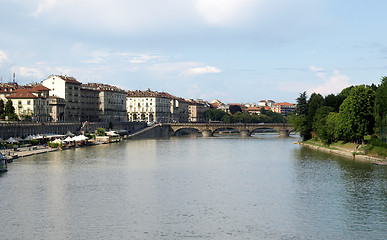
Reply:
x=10 y=111
x=101 y=131
x=320 y=123
x=214 y=115
x=331 y=122
x=356 y=116
x=381 y=105
x=334 y=101
x=302 y=104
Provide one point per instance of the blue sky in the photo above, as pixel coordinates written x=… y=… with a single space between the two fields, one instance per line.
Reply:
x=232 y=50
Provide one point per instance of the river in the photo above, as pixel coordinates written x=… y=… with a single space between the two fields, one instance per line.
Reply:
x=262 y=187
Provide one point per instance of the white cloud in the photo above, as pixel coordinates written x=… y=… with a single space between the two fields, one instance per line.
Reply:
x=332 y=84
x=3 y=57
x=29 y=72
x=316 y=69
x=201 y=70
x=224 y=12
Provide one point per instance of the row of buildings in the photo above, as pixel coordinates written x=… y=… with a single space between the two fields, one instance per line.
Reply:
x=64 y=99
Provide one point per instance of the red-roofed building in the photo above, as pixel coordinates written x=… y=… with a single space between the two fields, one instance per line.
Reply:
x=284 y=108
x=31 y=103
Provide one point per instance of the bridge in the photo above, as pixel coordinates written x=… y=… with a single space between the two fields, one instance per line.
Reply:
x=245 y=129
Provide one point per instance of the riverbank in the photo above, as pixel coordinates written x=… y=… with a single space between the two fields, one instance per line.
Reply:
x=353 y=153
x=156 y=131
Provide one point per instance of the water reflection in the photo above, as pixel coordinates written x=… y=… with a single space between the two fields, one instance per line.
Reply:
x=208 y=188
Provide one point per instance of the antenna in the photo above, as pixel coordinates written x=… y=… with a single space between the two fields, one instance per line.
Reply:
x=14 y=76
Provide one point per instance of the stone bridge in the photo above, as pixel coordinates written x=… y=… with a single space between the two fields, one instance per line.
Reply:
x=245 y=129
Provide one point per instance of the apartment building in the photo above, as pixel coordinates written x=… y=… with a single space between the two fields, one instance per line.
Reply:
x=69 y=89
x=112 y=102
x=31 y=103
x=148 y=106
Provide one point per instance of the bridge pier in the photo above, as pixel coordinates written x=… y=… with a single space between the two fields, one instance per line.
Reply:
x=245 y=133
x=207 y=133
x=284 y=133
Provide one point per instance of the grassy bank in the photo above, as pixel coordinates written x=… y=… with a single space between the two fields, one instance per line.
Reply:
x=372 y=149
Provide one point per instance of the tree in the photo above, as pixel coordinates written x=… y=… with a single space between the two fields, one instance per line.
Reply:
x=234 y=109
x=299 y=120
x=334 y=101
x=320 y=123
x=302 y=104
x=214 y=114
x=356 y=116
x=2 y=112
x=381 y=105
x=10 y=111
x=100 y=131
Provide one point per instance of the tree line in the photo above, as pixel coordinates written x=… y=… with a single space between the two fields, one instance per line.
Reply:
x=238 y=116
x=349 y=116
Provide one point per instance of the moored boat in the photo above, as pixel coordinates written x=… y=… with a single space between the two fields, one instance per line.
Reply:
x=3 y=163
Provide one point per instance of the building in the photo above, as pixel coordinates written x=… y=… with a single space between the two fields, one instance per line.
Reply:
x=89 y=104
x=69 y=89
x=148 y=106
x=152 y=106
x=112 y=102
x=264 y=103
x=31 y=103
x=196 y=110
x=6 y=89
x=284 y=108
x=57 y=108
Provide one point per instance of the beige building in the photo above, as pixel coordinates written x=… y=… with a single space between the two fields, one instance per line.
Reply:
x=148 y=106
x=284 y=108
x=31 y=102
x=112 y=102
x=67 y=88
x=57 y=108
x=89 y=104
x=196 y=111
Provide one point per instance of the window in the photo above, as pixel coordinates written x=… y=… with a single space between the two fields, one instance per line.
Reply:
x=28 y=102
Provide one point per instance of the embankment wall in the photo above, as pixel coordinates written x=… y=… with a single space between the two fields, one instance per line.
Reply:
x=159 y=131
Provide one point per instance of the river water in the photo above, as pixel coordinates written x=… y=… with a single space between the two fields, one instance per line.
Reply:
x=261 y=187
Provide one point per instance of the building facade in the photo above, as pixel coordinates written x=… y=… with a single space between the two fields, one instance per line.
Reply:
x=69 y=89
x=57 y=108
x=112 y=102
x=284 y=108
x=196 y=111
x=31 y=103
x=89 y=104
x=148 y=106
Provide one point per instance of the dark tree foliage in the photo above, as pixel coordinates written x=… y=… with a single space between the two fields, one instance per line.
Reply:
x=299 y=120
x=235 y=108
x=302 y=104
x=2 y=112
x=9 y=111
x=381 y=105
x=334 y=101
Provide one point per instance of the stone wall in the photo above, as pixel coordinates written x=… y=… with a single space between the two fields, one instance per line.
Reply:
x=8 y=130
x=158 y=131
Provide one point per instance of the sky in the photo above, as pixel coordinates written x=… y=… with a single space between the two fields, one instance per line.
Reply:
x=234 y=50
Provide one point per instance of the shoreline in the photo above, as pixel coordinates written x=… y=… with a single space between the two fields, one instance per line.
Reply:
x=348 y=154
